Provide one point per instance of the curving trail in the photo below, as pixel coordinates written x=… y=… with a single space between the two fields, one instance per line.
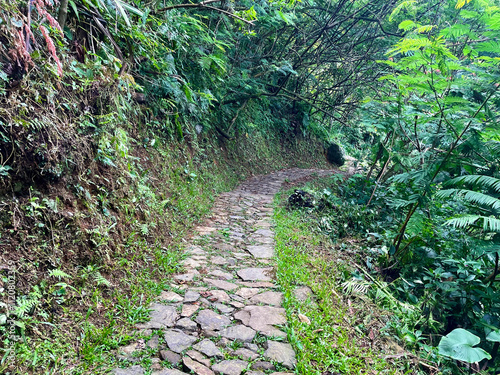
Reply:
x=229 y=319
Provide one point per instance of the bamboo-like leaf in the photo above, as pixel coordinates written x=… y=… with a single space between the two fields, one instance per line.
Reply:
x=119 y=6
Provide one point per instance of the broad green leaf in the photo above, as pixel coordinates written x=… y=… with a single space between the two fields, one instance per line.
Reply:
x=459 y=344
x=493 y=336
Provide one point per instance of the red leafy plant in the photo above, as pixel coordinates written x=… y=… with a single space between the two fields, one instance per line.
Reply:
x=20 y=52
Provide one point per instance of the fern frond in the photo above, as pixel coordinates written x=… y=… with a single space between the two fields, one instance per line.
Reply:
x=478 y=180
x=403 y=5
x=355 y=286
x=471 y=197
x=101 y=280
x=59 y=274
x=490 y=224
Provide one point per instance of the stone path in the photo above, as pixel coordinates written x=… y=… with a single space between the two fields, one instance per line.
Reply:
x=226 y=317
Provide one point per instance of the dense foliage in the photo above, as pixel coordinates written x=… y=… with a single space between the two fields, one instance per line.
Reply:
x=410 y=87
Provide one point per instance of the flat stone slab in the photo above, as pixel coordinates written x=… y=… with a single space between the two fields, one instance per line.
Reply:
x=191 y=296
x=186 y=325
x=208 y=348
x=219 y=260
x=170 y=357
x=197 y=367
x=246 y=354
x=162 y=316
x=221 y=275
x=198 y=357
x=268 y=298
x=230 y=367
x=263 y=319
x=255 y=274
x=169 y=296
x=210 y=320
x=282 y=353
x=192 y=263
x=168 y=371
x=247 y=292
x=239 y=332
x=219 y=296
x=134 y=370
x=225 y=309
x=178 y=341
x=221 y=284
x=186 y=277
x=188 y=310
x=261 y=251
x=264 y=232
x=257 y=284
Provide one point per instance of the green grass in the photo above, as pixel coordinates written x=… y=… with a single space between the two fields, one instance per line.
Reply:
x=329 y=342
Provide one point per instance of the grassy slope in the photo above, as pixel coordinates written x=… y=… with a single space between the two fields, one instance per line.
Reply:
x=337 y=339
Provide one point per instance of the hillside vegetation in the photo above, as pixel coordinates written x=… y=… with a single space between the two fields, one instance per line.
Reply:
x=120 y=121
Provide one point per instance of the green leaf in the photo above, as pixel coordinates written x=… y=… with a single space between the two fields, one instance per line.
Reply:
x=459 y=344
x=119 y=5
x=493 y=336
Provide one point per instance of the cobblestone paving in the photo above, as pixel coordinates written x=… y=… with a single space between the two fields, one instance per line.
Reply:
x=227 y=317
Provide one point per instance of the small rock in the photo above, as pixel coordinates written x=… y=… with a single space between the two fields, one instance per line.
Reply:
x=261 y=251
x=178 y=341
x=236 y=304
x=186 y=277
x=245 y=354
x=255 y=274
x=169 y=296
x=155 y=364
x=230 y=367
x=219 y=260
x=169 y=371
x=221 y=275
x=247 y=292
x=223 y=308
x=210 y=320
x=196 y=367
x=252 y=347
x=220 y=296
x=268 y=298
x=239 y=332
x=162 y=316
x=282 y=353
x=263 y=365
x=263 y=319
x=188 y=310
x=191 y=296
x=186 y=324
x=153 y=342
x=257 y=284
x=208 y=348
x=192 y=263
x=221 y=284
x=134 y=370
x=197 y=356
x=170 y=357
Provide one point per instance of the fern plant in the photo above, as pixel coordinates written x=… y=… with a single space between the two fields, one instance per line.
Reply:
x=486 y=202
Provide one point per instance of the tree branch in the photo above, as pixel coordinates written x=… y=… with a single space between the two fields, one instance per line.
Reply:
x=204 y=5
